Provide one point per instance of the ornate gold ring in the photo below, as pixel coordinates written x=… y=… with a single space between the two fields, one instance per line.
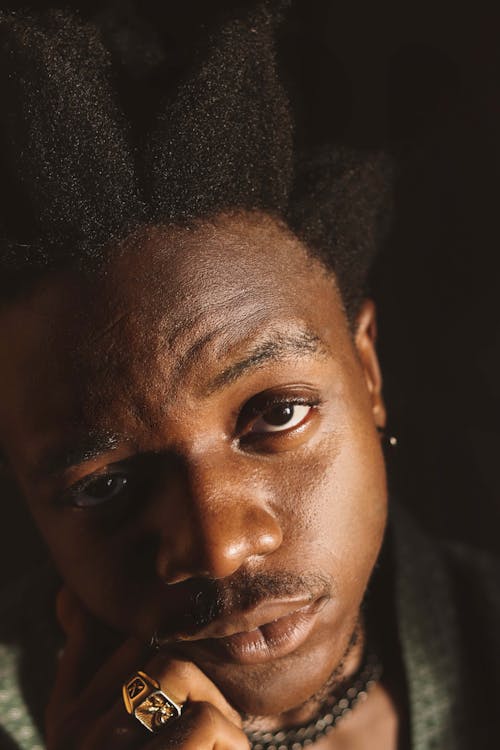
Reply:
x=144 y=699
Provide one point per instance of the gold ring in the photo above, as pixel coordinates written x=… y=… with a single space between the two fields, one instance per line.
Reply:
x=144 y=699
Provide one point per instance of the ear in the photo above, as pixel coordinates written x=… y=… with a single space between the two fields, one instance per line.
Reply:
x=365 y=339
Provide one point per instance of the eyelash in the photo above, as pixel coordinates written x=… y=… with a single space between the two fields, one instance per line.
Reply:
x=250 y=413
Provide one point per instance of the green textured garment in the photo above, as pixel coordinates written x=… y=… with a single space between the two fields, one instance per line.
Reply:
x=446 y=599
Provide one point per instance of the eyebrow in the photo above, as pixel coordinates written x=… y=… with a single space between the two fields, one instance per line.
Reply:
x=275 y=347
x=89 y=447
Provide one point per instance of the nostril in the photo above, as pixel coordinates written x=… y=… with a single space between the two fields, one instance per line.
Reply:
x=271 y=535
x=219 y=545
x=235 y=538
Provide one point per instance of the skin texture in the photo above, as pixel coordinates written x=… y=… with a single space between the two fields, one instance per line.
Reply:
x=141 y=363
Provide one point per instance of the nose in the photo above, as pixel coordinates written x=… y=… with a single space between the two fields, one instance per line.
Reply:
x=222 y=520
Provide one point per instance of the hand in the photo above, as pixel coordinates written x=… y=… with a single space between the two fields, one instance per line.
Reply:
x=86 y=711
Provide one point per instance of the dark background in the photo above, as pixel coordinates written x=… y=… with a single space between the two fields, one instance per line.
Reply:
x=423 y=82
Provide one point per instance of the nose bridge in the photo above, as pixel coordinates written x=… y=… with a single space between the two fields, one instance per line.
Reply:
x=228 y=520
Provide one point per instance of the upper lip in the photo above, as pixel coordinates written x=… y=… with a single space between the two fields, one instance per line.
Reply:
x=244 y=622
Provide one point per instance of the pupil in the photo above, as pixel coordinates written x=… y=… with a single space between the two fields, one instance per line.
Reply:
x=280 y=414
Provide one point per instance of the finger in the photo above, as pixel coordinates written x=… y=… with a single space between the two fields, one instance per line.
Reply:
x=78 y=630
x=187 y=683
x=89 y=642
x=104 y=687
x=201 y=726
x=72 y=713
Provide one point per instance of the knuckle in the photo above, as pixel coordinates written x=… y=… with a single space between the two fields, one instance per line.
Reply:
x=204 y=713
x=183 y=671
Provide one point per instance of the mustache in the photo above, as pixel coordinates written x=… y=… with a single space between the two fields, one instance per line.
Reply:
x=197 y=602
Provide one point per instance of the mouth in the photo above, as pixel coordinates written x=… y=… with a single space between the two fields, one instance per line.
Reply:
x=270 y=632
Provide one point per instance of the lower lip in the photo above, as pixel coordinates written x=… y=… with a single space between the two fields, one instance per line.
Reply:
x=268 y=642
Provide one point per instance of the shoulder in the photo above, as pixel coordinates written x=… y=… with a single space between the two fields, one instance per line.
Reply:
x=451 y=584
x=448 y=607
x=475 y=578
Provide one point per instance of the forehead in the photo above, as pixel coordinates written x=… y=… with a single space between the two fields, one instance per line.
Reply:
x=184 y=291
x=185 y=277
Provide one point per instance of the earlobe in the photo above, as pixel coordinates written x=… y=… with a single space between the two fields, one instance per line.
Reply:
x=365 y=339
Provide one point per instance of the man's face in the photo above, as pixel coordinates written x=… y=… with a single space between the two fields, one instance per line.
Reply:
x=194 y=430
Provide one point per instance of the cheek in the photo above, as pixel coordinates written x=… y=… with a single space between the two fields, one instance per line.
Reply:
x=111 y=571
x=334 y=508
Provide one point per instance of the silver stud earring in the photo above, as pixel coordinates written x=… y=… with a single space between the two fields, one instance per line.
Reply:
x=387 y=440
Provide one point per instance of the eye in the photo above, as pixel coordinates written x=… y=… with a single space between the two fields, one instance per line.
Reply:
x=99 y=490
x=281 y=417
